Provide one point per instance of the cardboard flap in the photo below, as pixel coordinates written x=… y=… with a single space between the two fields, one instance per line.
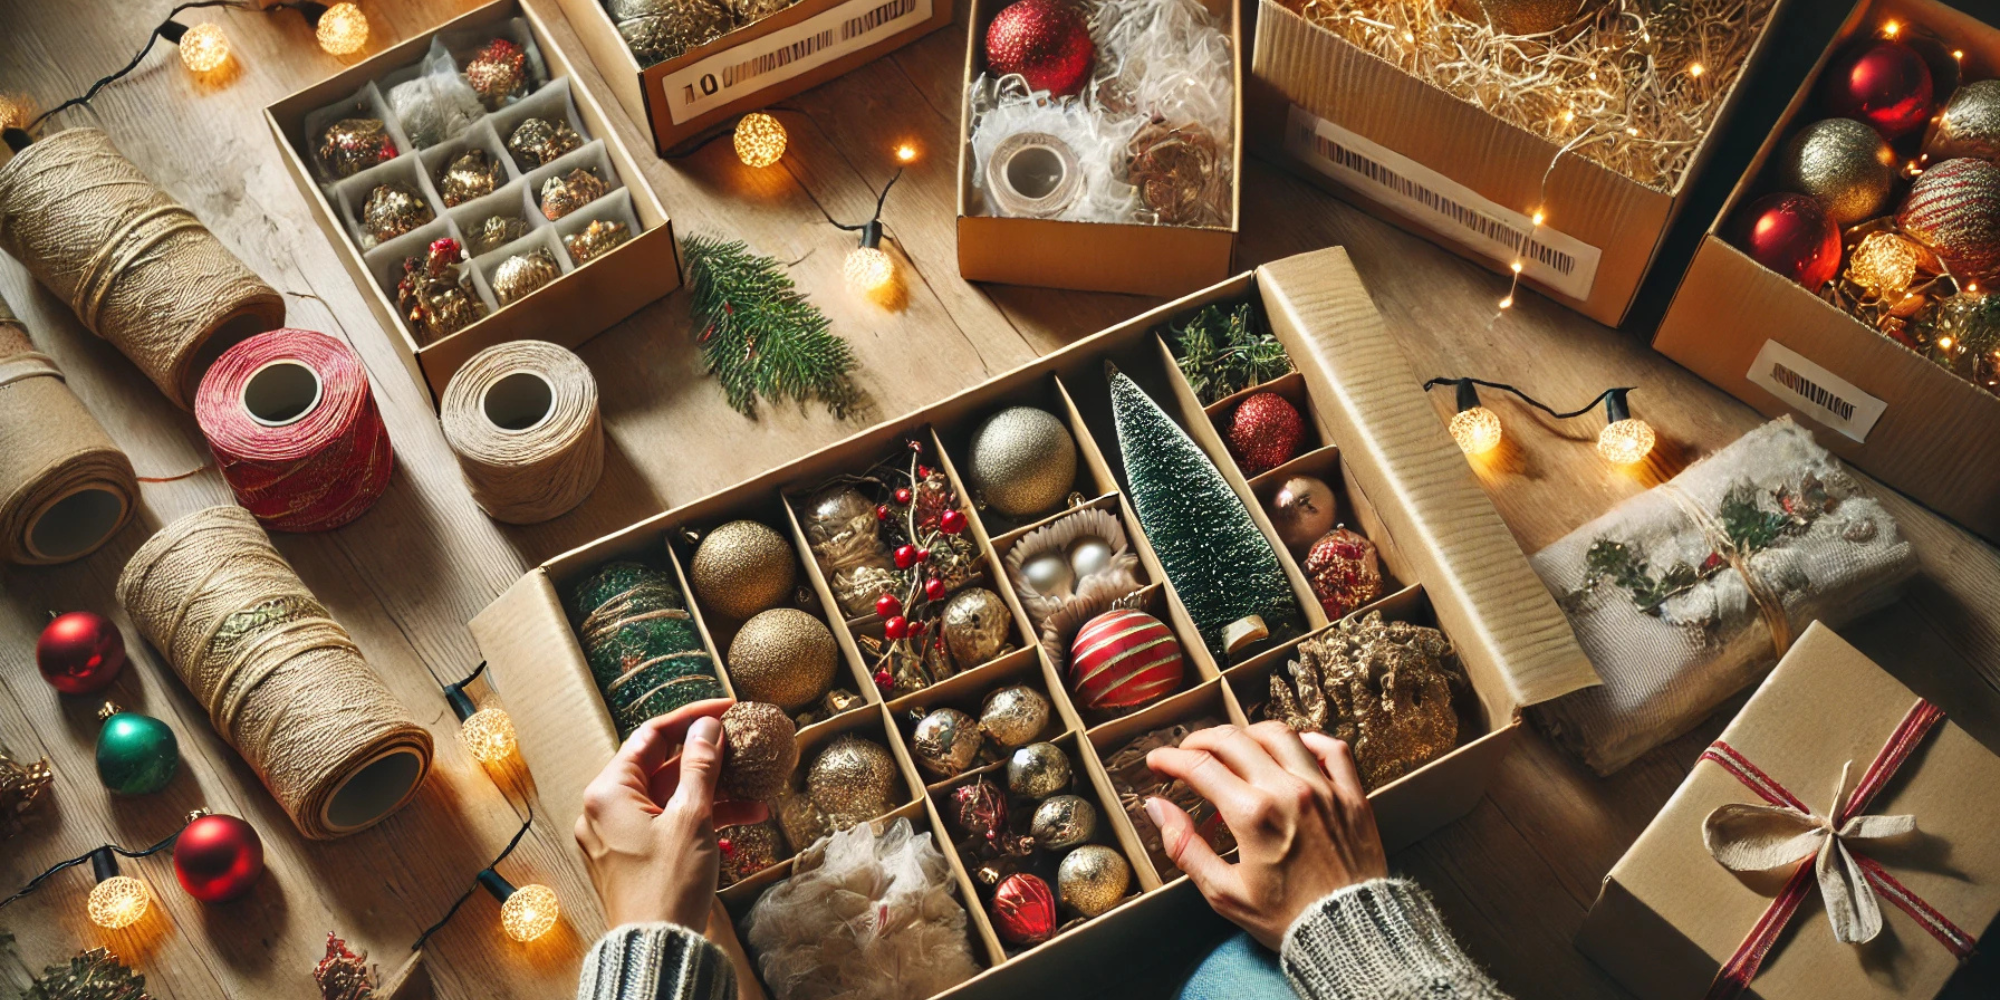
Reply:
x=1486 y=597
x=540 y=672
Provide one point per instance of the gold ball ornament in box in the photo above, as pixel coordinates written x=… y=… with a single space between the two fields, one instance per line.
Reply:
x=974 y=626
x=571 y=191
x=1037 y=771
x=784 y=656
x=1845 y=165
x=537 y=141
x=1014 y=715
x=520 y=275
x=752 y=847
x=658 y=30
x=392 y=209
x=595 y=240
x=852 y=781
x=494 y=232
x=946 y=742
x=760 y=139
x=1064 y=821
x=1021 y=461
x=799 y=819
x=1883 y=264
x=760 y=750
x=1969 y=125
x=1092 y=879
x=742 y=568
x=472 y=174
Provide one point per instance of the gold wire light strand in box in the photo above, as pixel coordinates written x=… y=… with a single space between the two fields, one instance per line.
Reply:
x=1630 y=84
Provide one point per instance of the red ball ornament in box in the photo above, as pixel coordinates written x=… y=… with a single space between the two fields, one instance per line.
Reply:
x=1792 y=235
x=218 y=858
x=1024 y=910
x=80 y=653
x=1954 y=209
x=1124 y=659
x=1046 y=41
x=1264 y=432
x=1884 y=83
x=1344 y=570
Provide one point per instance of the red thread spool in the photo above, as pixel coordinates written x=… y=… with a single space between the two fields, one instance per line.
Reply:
x=295 y=431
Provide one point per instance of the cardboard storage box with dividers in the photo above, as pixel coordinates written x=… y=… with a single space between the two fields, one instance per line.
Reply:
x=1401 y=481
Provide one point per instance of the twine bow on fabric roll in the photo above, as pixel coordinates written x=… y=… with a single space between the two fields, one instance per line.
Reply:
x=281 y=680
x=522 y=418
x=295 y=431
x=138 y=268
x=65 y=488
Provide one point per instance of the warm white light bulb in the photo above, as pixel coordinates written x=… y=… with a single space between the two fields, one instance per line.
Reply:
x=488 y=735
x=868 y=269
x=906 y=153
x=343 y=30
x=529 y=912
x=1476 y=430
x=1625 y=441
x=204 y=48
x=118 y=901
x=760 y=139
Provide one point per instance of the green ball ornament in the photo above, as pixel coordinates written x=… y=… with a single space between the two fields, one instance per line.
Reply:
x=136 y=754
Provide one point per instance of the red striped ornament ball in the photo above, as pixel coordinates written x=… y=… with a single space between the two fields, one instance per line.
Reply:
x=1954 y=208
x=1124 y=659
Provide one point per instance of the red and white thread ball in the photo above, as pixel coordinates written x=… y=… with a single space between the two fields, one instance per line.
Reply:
x=1123 y=659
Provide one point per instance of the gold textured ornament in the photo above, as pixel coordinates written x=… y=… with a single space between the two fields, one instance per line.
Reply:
x=801 y=821
x=495 y=232
x=1092 y=879
x=658 y=30
x=392 y=209
x=472 y=174
x=595 y=240
x=751 y=848
x=1969 y=125
x=538 y=141
x=21 y=786
x=1037 y=771
x=521 y=274
x=435 y=300
x=741 y=568
x=946 y=742
x=1883 y=264
x=1180 y=172
x=1064 y=821
x=852 y=781
x=1021 y=461
x=750 y=11
x=497 y=72
x=1845 y=165
x=1015 y=715
x=1525 y=17
x=351 y=145
x=784 y=656
x=1383 y=687
x=760 y=750
x=571 y=191
x=975 y=626
x=842 y=529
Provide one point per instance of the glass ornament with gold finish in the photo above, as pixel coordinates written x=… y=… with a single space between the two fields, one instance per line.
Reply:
x=1624 y=439
x=342 y=29
x=1884 y=264
x=204 y=48
x=116 y=901
x=526 y=913
x=760 y=139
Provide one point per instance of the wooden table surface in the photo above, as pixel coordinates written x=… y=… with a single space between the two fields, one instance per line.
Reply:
x=1514 y=877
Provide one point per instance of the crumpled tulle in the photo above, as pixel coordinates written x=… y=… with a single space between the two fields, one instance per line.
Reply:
x=1097 y=139
x=865 y=917
x=438 y=104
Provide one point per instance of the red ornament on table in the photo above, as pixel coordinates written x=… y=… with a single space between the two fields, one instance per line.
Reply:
x=1264 y=432
x=1024 y=910
x=1954 y=209
x=1791 y=234
x=1046 y=41
x=80 y=652
x=1123 y=659
x=1344 y=571
x=218 y=858
x=1884 y=83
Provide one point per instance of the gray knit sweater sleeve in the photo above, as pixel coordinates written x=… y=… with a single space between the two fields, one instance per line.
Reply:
x=656 y=962
x=1380 y=940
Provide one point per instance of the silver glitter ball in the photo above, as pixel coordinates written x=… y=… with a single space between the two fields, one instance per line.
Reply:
x=1037 y=771
x=946 y=742
x=1015 y=715
x=1092 y=879
x=1064 y=821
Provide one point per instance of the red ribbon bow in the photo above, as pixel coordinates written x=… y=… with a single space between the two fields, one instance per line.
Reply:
x=1735 y=975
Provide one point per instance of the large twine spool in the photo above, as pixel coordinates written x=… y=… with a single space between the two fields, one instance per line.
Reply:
x=522 y=418
x=138 y=268
x=280 y=679
x=65 y=488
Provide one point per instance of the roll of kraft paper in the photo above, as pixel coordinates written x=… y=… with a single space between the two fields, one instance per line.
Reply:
x=138 y=268
x=522 y=418
x=279 y=678
x=295 y=431
x=64 y=487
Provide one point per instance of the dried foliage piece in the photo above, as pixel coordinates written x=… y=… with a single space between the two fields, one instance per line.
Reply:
x=1225 y=350
x=1135 y=783
x=96 y=974
x=1383 y=687
x=21 y=786
x=344 y=974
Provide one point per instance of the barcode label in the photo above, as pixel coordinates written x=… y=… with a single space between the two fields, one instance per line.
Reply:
x=1816 y=393
x=1443 y=207
x=781 y=55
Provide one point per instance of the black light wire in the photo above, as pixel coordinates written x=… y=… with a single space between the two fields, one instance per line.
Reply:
x=474 y=887
x=1530 y=400
x=39 y=880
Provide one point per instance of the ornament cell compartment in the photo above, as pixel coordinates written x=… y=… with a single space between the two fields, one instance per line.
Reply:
x=967 y=692
x=1209 y=700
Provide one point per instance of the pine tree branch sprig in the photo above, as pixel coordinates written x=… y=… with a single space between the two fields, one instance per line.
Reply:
x=759 y=336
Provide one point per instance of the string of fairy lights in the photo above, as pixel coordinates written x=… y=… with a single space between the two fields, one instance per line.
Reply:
x=1624 y=439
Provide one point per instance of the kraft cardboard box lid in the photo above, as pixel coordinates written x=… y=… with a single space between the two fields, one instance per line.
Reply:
x=1670 y=915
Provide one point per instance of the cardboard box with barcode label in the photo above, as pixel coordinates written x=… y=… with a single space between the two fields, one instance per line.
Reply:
x=754 y=66
x=1444 y=168
x=1766 y=340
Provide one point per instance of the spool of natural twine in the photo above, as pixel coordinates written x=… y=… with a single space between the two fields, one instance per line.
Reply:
x=281 y=680
x=138 y=268
x=65 y=488
x=522 y=418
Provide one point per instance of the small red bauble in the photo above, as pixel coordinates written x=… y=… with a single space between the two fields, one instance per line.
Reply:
x=1791 y=234
x=903 y=495
x=1954 y=209
x=1265 y=431
x=906 y=556
x=934 y=589
x=1884 y=83
x=1046 y=41
x=80 y=653
x=884 y=680
x=1344 y=571
x=896 y=628
x=888 y=606
x=1122 y=659
x=218 y=858
x=952 y=522
x=1024 y=910
x=881 y=512
x=981 y=808
x=923 y=554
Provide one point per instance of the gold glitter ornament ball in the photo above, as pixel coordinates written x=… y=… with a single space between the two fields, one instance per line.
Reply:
x=801 y=822
x=573 y=190
x=1015 y=715
x=1092 y=879
x=753 y=847
x=1037 y=771
x=1021 y=461
x=521 y=274
x=946 y=742
x=1845 y=165
x=852 y=781
x=597 y=239
x=473 y=174
x=1064 y=821
x=975 y=626
x=742 y=568
x=393 y=209
x=1525 y=17
x=784 y=656
x=537 y=141
x=760 y=750
x=1969 y=125
x=494 y=232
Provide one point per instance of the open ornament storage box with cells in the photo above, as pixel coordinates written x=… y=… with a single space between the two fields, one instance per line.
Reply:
x=1765 y=339
x=1449 y=560
x=799 y=46
x=584 y=298
x=1491 y=191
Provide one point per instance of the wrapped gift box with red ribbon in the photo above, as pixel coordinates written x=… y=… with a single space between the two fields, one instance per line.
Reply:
x=1840 y=839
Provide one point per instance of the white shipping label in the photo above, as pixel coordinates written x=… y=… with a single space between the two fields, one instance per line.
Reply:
x=745 y=69
x=1812 y=390
x=1441 y=206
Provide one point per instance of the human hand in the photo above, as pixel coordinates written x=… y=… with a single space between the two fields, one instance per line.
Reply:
x=648 y=824
x=1303 y=826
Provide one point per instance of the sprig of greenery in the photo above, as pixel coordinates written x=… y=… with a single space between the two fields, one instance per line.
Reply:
x=1224 y=350
x=758 y=335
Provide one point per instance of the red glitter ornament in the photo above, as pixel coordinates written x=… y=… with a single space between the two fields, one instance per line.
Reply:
x=1344 y=571
x=1024 y=910
x=1790 y=234
x=80 y=652
x=218 y=858
x=1123 y=659
x=1264 y=432
x=1884 y=83
x=1954 y=209
x=1046 y=41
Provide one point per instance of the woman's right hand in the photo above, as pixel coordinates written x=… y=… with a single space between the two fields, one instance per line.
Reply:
x=1303 y=825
